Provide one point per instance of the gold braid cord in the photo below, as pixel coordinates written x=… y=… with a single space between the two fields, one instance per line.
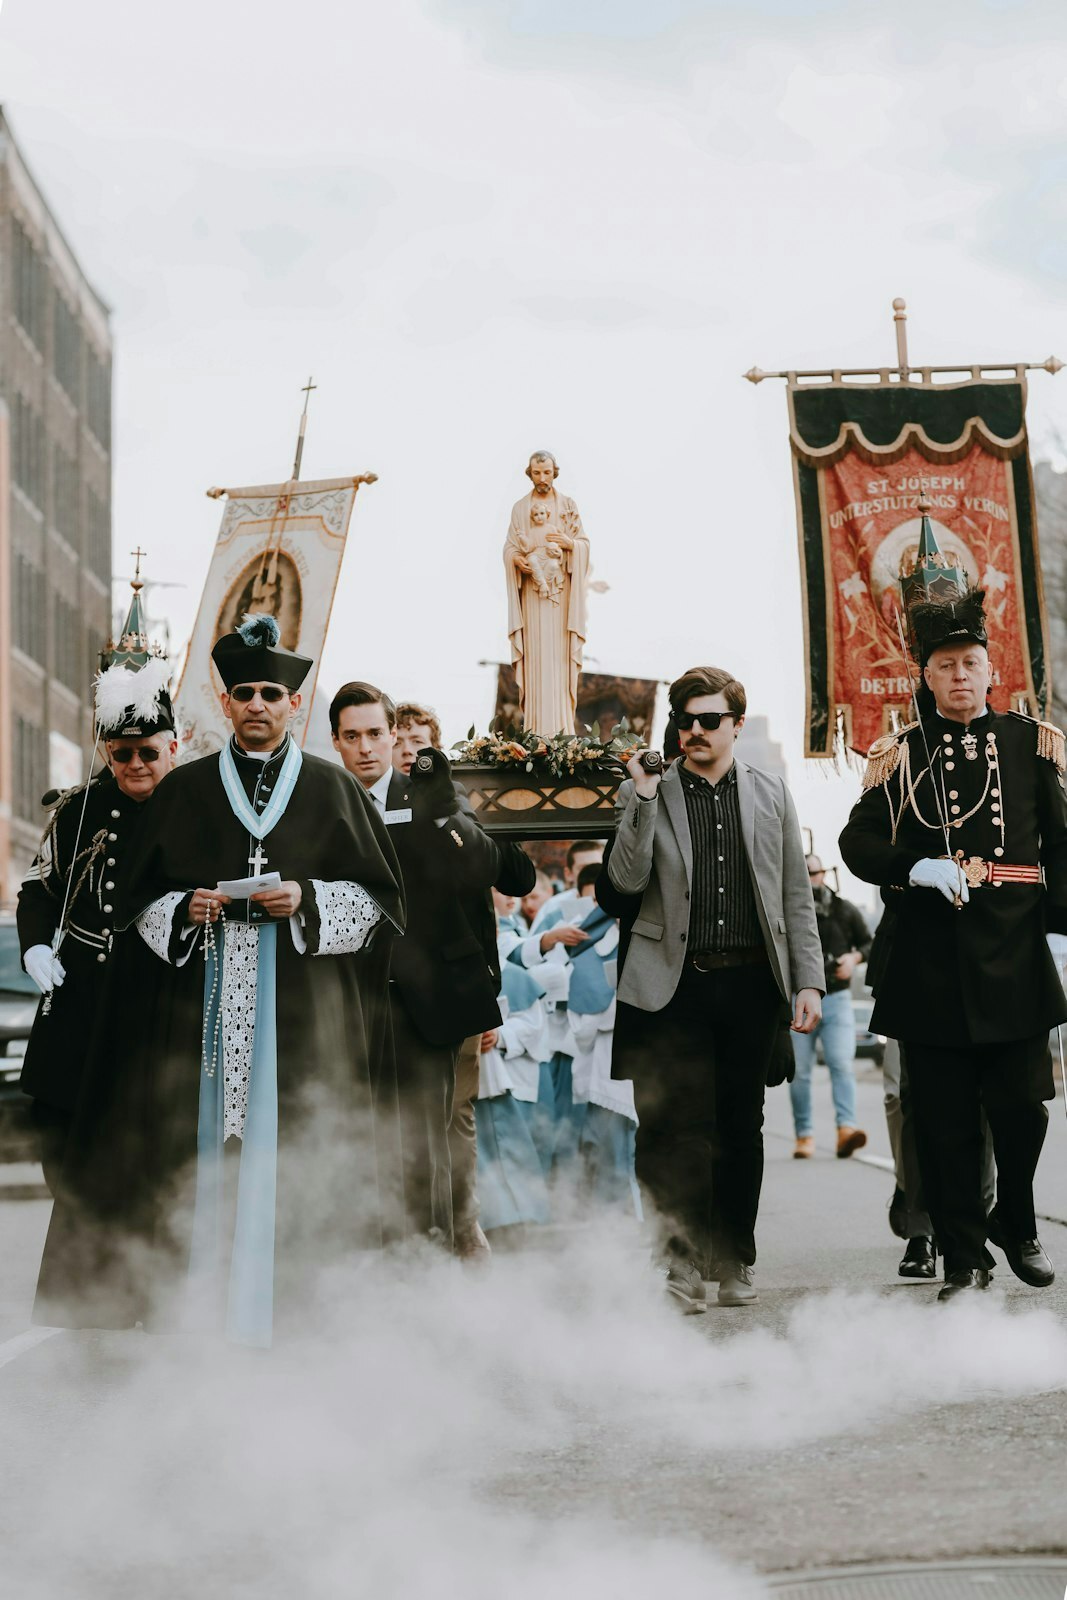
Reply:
x=883 y=757
x=93 y=850
x=48 y=848
x=1051 y=744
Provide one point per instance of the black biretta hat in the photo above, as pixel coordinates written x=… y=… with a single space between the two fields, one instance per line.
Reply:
x=252 y=654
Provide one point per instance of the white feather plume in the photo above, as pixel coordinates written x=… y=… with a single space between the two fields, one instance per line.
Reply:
x=118 y=690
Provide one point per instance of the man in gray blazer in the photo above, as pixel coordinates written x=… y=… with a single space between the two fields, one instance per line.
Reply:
x=723 y=939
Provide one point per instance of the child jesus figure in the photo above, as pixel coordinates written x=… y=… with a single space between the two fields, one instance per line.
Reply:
x=543 y=548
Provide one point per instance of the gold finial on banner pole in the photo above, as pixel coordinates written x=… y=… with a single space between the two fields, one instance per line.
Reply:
x=306 y=391
x=900 y=322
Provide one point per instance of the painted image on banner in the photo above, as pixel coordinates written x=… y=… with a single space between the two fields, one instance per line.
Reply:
x=871 y=527
x=268 y=585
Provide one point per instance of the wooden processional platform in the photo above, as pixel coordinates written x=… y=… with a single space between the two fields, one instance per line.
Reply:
x=524 y=805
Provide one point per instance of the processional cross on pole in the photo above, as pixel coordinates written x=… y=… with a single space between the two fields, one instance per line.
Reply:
x=306 y=392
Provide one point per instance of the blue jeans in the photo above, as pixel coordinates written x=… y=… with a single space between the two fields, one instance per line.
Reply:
x=837 y=1029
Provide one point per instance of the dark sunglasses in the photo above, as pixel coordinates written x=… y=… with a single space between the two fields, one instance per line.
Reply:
x=270 y=692
x=709 y=720
x=146 y=752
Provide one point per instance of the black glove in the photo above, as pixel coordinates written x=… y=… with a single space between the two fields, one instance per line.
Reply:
x=782 y=1066
x=435 y=793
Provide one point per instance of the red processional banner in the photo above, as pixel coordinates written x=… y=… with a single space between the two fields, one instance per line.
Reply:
x=863 y=456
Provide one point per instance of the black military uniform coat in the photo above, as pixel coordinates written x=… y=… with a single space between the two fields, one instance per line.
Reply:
x=445 y=970
x=981 y=974
x=57 y=1047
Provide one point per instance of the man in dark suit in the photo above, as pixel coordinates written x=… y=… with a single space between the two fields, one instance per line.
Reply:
x=446 y=974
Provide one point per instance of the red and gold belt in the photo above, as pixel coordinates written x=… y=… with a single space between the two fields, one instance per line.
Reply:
x=977 y=872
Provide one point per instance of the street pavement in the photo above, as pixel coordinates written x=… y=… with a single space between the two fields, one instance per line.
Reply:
x=844 y=1419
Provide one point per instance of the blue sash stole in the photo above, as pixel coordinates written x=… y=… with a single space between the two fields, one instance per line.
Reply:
x=247 y=1306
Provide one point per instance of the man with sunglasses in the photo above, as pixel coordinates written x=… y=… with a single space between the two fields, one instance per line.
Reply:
x=722 y=938
x=66 y=905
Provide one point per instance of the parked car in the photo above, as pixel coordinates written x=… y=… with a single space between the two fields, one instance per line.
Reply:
x=869 y=1046
x=18 y=1007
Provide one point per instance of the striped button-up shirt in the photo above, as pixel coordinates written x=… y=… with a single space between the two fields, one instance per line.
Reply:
x=722 y=915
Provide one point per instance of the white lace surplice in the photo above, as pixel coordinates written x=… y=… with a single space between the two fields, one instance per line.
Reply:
x=156 y=924
x=347 y=914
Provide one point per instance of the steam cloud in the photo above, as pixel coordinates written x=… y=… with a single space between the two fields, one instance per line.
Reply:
x=383 y=1452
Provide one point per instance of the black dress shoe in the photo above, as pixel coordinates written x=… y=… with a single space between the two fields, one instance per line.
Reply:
x=1029 y=1262
x=964 y=1281
x=898 y=1214
x=919 y=1259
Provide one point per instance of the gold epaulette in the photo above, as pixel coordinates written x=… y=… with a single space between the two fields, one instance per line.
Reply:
x=883 y=757
x=1051 y=741
x=1051 y=744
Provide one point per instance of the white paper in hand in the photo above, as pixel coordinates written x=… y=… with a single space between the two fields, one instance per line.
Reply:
x=242 y=888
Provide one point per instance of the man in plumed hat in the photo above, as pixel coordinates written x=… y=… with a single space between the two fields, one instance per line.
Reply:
x=267 y=1129
x=963 y=827
x=66 y=905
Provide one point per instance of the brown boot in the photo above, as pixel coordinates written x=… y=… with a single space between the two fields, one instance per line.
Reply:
x=804 y=1148
x=848 y=1140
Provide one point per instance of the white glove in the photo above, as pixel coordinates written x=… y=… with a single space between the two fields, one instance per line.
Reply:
x=44 y=968
x=941 y=874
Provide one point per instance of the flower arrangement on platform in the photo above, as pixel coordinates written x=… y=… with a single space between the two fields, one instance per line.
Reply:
x=564 y=755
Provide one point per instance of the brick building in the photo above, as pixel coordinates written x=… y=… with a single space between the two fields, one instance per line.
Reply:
x=55 y=508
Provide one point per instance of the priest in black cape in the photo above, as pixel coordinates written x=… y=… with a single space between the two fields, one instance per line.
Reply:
x=263 y=1097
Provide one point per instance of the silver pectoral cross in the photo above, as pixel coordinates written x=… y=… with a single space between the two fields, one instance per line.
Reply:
x=257 y=860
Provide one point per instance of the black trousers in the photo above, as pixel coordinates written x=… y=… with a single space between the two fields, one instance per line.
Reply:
x=426 y=1082
x=52 y=1127
x=950 y=1089
x=699 y=1070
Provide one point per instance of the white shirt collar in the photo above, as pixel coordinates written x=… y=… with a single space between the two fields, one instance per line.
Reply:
x=379 y=790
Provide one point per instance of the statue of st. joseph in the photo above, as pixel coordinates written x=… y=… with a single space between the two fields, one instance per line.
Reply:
x=547 y=634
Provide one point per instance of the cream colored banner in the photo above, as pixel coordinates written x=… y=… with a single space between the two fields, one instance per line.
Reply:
x=279 y=551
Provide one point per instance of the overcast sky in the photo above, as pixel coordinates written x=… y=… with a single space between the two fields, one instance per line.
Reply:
x=489 y=226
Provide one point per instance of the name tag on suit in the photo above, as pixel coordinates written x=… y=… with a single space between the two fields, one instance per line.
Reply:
x=401 y=815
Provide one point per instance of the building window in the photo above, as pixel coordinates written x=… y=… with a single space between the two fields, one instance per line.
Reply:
x=28 y=621
x=27 y=450
x=67 y=638
x=30 y=284
x=66 y=347
x=98 y=398
x=98 y=536
x=65 y=496
x=31 y=768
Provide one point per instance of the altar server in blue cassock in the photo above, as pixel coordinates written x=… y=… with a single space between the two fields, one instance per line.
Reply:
x=265 y=1092
x=511 y=1181
x=609 y=1127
